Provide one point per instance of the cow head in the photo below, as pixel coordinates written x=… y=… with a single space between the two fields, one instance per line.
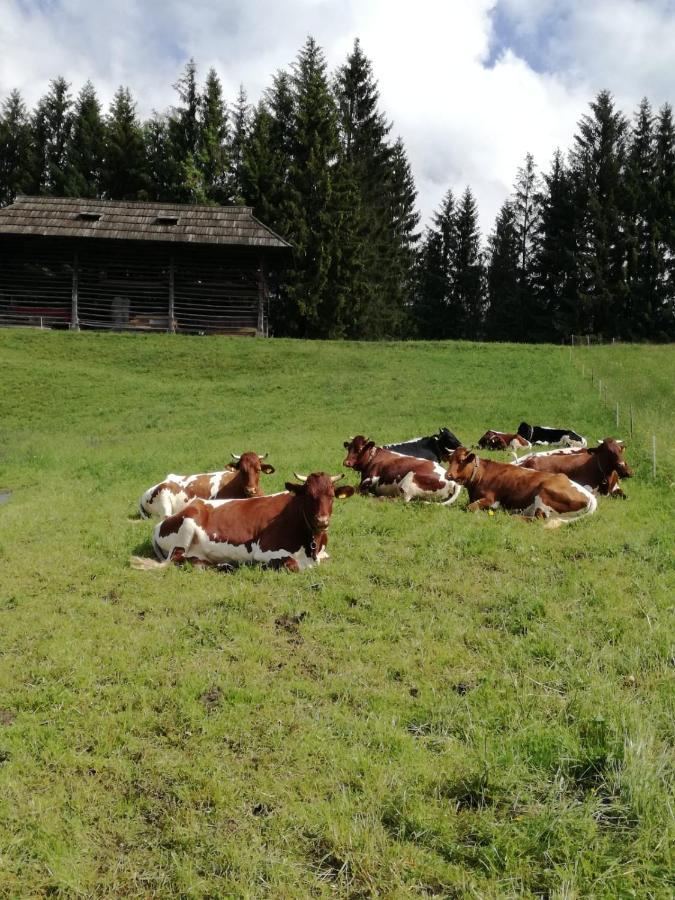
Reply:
x=357 y=450
x=610 y=454
x=494 y=440
x=446 y=443
x=463 y=465
x=250 y=465
x=316 y=493
x=526 y=431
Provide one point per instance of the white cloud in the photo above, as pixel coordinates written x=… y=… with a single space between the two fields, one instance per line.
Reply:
x=463 y=122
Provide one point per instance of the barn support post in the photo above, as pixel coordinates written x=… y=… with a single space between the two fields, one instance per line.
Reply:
x=74 y=317
x=172 y=296
x=262 y=290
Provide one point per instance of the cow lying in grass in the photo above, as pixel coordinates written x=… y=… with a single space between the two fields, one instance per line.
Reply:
x=240 y=479
x=492 y=485
x=597 y=468
x=390 y=474
x=501 y=440
x=287 y=530
x=436 y=447
x=544 y=434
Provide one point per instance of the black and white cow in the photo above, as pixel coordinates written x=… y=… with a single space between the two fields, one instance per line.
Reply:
x=436 y=447
x=543 y=434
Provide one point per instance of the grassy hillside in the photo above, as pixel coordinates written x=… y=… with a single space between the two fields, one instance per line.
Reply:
x=454 y=705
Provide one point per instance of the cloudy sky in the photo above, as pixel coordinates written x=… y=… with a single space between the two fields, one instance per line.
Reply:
x=470 y=85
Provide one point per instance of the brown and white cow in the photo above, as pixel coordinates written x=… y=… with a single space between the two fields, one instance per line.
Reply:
x=597 y=468
x=286 y=530
x=500 y=440
x=492 y=485
x=239 y=479
x=390 y=474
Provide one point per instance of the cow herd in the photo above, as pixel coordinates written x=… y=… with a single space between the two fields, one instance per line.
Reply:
x=223 y=519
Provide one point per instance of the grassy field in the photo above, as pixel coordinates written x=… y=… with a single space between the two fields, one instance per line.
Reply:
x=455 y=705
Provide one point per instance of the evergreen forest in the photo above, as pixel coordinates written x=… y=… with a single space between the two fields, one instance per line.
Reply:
x=585 y=248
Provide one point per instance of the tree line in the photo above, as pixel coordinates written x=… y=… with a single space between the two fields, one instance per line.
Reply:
x=587 y=247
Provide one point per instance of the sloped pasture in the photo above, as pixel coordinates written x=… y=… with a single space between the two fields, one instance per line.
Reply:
x=456 y=704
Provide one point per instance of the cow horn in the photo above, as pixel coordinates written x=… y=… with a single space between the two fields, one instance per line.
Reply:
x=335 y=478
x=236 y=456
x=264 y=456
x=302 y=478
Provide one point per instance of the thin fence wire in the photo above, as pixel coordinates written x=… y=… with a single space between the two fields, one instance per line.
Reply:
x=643 y=437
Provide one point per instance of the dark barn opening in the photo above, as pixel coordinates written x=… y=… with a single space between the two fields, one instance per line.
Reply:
x=136 y=266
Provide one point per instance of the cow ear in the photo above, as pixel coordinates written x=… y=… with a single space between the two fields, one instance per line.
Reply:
x=469 y=458
x=294 y=488
x=232 y=467
x=344 y=491
x=267 y=469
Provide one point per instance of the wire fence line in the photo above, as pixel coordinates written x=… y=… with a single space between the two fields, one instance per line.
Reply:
x=646 y=437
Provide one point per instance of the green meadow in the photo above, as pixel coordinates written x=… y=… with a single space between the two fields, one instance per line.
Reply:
x=455 y=705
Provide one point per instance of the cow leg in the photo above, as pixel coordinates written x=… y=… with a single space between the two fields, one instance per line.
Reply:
x=483 y=503
x=613 y=486
x=183 y=541
x=567 y=504
x=286 y=562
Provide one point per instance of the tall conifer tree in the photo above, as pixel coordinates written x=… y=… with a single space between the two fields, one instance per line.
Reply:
x=556 y=271
x=502 y=319
x=212 y=143
x=434 y=278
x=51 y=125
x=643 y=257
x=238 y=141
x=598 y=162
x=466 y=267
x=312 y=310
x=125 y=170
x=15 y=148
x=85 y=146
x=665 y=223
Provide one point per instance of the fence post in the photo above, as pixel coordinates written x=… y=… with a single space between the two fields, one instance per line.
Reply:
x=171 y=323
x=74 y=314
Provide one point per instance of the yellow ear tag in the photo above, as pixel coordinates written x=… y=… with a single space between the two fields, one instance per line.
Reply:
x=491 y=512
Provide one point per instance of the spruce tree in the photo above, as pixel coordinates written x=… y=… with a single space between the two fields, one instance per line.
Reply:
x=556 y=271
x=466 y=306
x=311 y=306
x=643 y=256
x=526 y=212
x=164 y=170
x=51 y=125
x=125 y=168
x=364 y=167
x=237 y=148
x=212 y=143
x=183 y=133
x=403 y=221
x=85 y=147
x=15 y=148
x=434 y=274
x=598 y=162
x=502 y=319
x=664 y=326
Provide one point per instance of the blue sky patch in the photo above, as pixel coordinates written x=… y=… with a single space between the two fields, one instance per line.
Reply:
x=533 y=42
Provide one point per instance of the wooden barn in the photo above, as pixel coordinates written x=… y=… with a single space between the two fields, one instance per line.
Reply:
x=136 y=266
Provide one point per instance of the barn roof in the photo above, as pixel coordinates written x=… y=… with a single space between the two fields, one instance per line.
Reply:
x=137 y=221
